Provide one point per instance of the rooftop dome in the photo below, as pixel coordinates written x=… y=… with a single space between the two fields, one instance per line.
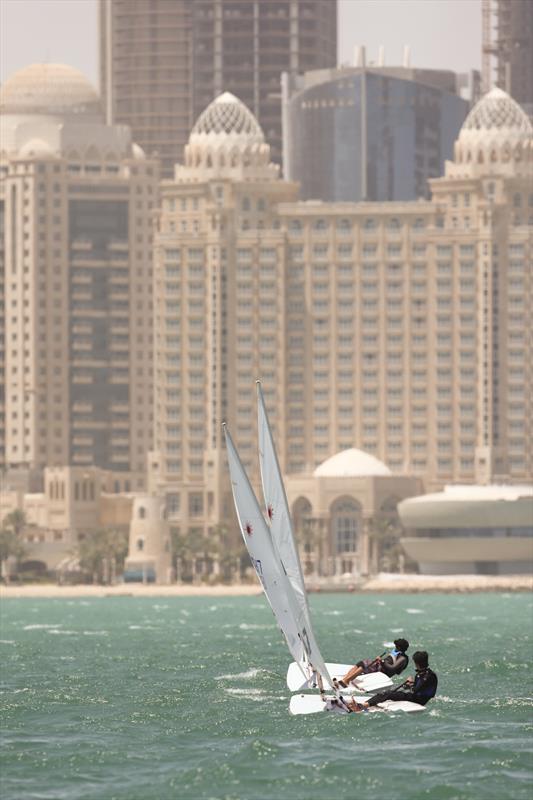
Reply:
x=351 y=463
x=54 y=89
x=227 y=118
x=498 y=112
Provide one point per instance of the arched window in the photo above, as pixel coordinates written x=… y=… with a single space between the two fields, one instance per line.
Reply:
x=140 y=543
x=346 y=520
x=142 y=512
x=301 y=515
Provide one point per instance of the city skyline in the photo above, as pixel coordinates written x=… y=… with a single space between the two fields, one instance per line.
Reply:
x=413 y=25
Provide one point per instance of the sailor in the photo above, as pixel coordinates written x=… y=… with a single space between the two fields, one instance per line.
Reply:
x=392 y=664
x=419 y=689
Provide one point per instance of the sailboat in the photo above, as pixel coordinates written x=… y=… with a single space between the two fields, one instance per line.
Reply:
x=270 y=541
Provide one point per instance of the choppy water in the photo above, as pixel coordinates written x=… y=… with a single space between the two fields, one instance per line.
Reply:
x=155 y=699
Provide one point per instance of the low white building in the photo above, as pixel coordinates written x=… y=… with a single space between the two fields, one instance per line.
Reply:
x=470 y=529
x=340 y=509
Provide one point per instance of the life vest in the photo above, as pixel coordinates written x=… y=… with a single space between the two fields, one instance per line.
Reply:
x=428 y=691
x=393 y=659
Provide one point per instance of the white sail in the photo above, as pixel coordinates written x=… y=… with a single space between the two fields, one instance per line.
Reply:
x=258 y=542
x=283 y=536
x=277 y=507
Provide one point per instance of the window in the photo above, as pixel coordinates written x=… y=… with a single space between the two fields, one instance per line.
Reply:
x=346 y=518
x=196 y=505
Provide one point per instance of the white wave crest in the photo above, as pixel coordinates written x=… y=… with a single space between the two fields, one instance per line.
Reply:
x=40 y=627
x=248 y=675
x=245 y=626
x=414 y=610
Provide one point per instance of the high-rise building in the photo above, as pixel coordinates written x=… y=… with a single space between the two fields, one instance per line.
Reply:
x=400 y=328
x=508 y=49
x=369 y=133
x=163 y=61
x=76 y=203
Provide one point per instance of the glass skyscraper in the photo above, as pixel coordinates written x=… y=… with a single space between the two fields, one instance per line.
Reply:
x=369 y=133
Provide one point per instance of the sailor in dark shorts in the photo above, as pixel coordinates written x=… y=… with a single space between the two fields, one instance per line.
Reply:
x=419 y=689
x=392 y=664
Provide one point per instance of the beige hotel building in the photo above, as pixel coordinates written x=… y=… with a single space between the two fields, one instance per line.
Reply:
x=399 y=329
x=76 y=204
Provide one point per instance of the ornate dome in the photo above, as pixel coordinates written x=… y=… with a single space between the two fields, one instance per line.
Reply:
x=225 y=117
x=496 y=139
x=54 y=89
x=227 y=140
x=352 y=463
x=496 y=112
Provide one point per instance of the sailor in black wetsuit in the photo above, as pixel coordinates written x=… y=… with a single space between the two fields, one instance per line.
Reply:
x=393 y=663
x=420 y=689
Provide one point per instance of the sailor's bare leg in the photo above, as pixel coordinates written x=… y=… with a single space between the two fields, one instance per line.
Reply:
x=351 y=675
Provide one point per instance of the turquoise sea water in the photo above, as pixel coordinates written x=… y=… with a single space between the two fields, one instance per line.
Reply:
x=156 y=699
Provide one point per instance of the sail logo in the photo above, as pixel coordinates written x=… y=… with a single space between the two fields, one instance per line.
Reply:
x=248 y=528
x=270 y=512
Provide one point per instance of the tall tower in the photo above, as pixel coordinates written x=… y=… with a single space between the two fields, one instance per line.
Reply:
x=76 y=196
x=508 y=49
x=163 y=61
x=218 y=310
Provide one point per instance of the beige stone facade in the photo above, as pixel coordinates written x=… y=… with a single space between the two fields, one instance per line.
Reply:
x=402 y=329
x=74 y=502
x=76 y=198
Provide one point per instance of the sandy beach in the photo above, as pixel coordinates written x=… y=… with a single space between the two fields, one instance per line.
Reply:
x=382 y=583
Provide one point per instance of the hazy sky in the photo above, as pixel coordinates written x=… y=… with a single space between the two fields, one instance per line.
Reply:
x=441 y=33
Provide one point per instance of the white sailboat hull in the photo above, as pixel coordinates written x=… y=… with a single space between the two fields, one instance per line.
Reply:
x=373 y=682
x=313 y=704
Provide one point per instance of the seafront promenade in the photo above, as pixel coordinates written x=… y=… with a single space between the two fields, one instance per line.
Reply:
x=382 y=583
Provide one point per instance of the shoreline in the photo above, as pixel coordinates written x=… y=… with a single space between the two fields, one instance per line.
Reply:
x=380 y=584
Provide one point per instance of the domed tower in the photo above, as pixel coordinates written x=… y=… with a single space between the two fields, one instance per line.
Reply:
x=227 y=141
x=219 y=266
x=149 y=558
x=76 y=194
x=496 y=139
x=484 y=234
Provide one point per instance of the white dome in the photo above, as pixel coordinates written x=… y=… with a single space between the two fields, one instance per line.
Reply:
x=54 y=89
x=497 y=112
x=352 y=463
x=35 y=147
x=227 y=118
x=137 y=152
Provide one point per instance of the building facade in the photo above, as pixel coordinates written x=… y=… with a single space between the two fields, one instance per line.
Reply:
x=470 y=529
x=369 y=133
x=508 y=49
x=401 y=329
x=76 y=200
x=163 y=61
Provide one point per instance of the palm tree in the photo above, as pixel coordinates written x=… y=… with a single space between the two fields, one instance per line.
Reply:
x=11 y=543
x=99 y=549
x=228 y=552
x=385 y=542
